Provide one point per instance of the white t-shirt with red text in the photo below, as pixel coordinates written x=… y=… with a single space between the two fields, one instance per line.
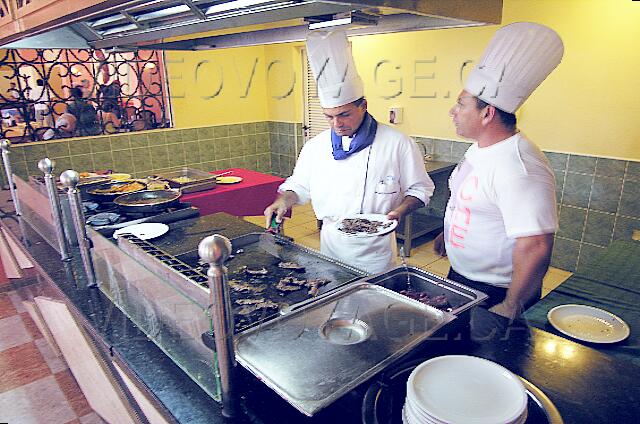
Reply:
x=498 y=193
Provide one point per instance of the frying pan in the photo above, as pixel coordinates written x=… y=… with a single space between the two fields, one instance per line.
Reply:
x=95 y=193
x=146 y=201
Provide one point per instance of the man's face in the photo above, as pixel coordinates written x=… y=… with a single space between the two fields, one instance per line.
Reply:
x=346 y=119
x=466 y=116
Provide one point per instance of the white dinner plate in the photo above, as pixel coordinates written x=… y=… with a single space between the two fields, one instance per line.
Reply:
x=489 y=392
x=145 y=231
x=588 y=324
x=371 y=217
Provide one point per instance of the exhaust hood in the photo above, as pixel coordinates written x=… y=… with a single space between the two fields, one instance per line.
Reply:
x=209 y=24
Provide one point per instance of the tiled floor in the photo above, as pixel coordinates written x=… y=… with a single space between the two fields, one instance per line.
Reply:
x=37 y=386
x=303 y=228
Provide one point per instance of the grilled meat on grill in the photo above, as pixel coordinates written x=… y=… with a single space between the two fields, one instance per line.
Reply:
x=241 y=286
x=292 y=266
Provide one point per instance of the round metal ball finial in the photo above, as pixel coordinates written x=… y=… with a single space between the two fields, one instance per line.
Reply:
x=214 y=249
x=69 y=178
x=46 y=165
x=4 y=144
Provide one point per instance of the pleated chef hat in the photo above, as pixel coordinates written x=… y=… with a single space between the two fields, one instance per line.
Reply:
x=333 y=67
x=518 y=58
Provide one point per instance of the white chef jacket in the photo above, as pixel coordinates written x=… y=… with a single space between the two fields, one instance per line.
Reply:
x=373 y=180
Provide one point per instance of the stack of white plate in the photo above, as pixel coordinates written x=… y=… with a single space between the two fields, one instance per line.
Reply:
x=464 y=389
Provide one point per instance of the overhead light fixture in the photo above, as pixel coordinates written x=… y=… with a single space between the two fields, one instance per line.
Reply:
x=232 y=5
x=355 y=17
x=331 y=23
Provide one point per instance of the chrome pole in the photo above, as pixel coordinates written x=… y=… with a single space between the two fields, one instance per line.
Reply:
x=214 y=250
x=47 y=165
x=70 y=179
x=5 y=145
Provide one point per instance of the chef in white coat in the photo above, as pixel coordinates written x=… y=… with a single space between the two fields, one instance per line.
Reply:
x=501 y=217
x=357 y=166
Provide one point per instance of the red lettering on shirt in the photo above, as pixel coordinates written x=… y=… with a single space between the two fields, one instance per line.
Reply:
x=461 y=217
x=456 y=236
x=469 y=186
x=465 y=212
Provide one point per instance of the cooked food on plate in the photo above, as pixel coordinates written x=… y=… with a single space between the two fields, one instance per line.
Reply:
x=362 y=225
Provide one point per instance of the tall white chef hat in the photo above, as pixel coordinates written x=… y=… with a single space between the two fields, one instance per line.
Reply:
x=518 y=58
x=333 y=67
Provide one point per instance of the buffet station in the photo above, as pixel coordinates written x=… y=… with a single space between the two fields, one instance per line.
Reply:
x=308 y=338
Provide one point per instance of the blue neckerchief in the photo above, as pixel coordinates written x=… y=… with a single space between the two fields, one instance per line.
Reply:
x=364 y=137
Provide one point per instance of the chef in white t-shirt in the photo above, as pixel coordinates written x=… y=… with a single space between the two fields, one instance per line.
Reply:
x=357 y=166
x=501 y=216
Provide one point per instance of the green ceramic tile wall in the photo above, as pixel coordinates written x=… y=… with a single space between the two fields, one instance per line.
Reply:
x=597 y=197
x=286 y=141
x=209 y=148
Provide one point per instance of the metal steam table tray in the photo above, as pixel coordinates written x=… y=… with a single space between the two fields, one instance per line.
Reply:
x=461 y=298
x=326 y=348
x=198 y=180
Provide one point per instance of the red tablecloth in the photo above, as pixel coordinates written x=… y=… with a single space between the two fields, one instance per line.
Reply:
x=247 y=198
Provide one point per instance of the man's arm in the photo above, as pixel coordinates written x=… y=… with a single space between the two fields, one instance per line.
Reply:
x=439 y=246
x=409 y=203
x=531 y=257
x=283 y=203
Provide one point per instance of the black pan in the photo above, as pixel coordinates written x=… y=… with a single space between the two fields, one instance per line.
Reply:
x=95 y=193
x=146 y=201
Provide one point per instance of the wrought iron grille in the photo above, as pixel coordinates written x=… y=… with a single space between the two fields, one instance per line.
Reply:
x=40 y=85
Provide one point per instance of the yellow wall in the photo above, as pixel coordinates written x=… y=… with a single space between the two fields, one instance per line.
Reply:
x=217 y=86
x=589 y=105
x=284 y=82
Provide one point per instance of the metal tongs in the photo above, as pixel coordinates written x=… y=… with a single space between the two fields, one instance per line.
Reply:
x=267 y=242
x=274 y=226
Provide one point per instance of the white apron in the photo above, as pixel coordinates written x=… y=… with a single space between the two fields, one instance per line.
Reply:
x=372 y=254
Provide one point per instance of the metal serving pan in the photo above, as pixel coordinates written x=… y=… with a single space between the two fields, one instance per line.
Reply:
x=189 y=180
x=319 y=352
x=460 y=297
x=146 y=201
x=98 y=196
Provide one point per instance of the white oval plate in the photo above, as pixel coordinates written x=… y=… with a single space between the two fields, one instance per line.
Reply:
x=371 y=217
x=228 y=180
x=588 y=324
x=145 y=231
x=489 y=392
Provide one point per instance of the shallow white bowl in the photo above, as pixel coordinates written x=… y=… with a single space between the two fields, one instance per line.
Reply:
x=466 y=389
x=589 y=324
